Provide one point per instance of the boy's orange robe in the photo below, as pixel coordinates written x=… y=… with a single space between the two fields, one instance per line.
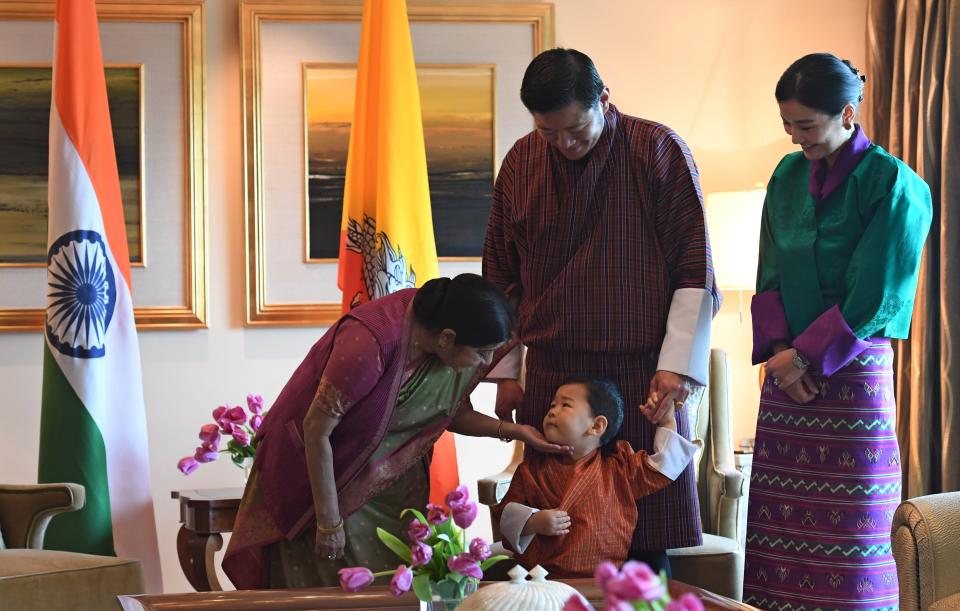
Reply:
x=598 y=492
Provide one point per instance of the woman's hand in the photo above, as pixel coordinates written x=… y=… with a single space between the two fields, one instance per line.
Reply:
x=784 y=373
x=535 y=439
x=329 y=546
x=803 y=390
x=509 y=399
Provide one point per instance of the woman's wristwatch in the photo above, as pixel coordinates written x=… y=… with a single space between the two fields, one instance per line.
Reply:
x=800 y=361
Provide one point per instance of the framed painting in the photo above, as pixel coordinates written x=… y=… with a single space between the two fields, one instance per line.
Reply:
x=457 y=102
x=24 y=116
x=298 y=74
x=153 y=53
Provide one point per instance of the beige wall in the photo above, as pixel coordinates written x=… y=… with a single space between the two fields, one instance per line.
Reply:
x=707 y=68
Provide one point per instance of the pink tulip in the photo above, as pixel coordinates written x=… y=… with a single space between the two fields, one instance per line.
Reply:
x=210 y=436
x=577 y=602
x=355 y=579
x=436 y=514
x=237 y=415
x=420 y=553
x=402 y=580
x=418 y=531
x=612 y=603
x=255 y=404
x=479 y=549
x=240 y=435
x=606 y=571
x=457 y=497
x=255 y=422
x=205 y=455
x=222 y=416
x=464 y=514
x=687 y=602
x=187 y=465
x=636 y=582
x=465 y=565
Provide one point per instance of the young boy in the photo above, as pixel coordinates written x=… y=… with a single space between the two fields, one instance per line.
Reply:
x=567 y=513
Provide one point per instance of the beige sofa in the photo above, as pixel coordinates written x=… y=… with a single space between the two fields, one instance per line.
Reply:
x=32 y=578
x=926 y=545
x=717 y=565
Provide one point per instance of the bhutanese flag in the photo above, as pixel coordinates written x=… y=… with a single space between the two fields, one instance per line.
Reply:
x=93 y=426
x=386 y=238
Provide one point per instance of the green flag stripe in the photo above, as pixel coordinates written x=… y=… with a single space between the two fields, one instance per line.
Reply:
x=72 y=450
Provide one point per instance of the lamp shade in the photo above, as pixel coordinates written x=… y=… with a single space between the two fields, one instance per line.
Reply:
x=733 y=220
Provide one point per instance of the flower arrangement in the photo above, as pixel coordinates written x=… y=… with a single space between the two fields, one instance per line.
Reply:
x=438 y=557
x=232 y=422
x=633 y=588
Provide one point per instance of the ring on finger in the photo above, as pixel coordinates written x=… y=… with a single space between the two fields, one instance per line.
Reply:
x=331 y=556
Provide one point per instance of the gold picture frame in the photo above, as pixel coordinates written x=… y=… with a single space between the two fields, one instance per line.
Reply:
x=286 y=290
x=185 y=272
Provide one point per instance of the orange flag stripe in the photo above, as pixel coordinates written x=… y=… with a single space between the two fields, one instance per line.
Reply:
x=81 y=101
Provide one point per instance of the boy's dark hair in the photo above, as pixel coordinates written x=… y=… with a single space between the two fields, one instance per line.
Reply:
x=558 y=77
x=605 y=400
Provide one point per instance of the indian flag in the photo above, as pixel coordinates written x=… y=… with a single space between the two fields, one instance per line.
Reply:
x=386 y=238
x=93 y=426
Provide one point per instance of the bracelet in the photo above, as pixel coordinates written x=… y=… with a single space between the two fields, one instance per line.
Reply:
x=500 y=435
x=323 y=530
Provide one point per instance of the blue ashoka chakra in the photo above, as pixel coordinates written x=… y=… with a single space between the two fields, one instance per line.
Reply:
x=81 y=294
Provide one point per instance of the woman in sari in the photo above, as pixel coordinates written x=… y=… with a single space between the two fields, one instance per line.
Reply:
x=346 y=446
x=842 y=232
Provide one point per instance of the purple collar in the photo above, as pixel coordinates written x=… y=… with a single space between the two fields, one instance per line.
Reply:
x=824 y=180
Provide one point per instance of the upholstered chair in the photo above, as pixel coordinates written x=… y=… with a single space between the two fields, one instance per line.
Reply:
x=926 y=546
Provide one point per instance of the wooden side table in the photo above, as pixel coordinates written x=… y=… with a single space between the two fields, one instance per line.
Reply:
x=204 y=515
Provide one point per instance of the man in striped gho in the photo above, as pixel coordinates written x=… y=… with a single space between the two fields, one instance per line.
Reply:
x=597 y=231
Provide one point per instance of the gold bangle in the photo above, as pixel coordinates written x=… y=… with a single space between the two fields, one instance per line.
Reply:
x=329 y=531
x=500 y=435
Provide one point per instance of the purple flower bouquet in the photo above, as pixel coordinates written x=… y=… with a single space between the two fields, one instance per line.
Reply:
x=234 y=423
x=634 y=587
x=438 y=559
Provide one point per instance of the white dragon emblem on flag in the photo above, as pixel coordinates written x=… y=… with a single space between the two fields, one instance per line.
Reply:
x=385 y=269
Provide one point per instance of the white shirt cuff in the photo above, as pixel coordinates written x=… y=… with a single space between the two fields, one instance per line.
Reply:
x=686 y=345
x=671 y=453
x=512 y=521
x=509 y=366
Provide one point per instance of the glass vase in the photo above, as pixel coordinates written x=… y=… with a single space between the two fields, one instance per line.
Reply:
x=447 y=594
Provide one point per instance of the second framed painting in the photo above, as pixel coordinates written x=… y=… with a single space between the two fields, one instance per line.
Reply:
x=457 y=102
x=299 y=74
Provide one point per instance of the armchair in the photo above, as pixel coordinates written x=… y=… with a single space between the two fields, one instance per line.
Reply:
x=926 y=546
x=34 y=578
x=717 y=564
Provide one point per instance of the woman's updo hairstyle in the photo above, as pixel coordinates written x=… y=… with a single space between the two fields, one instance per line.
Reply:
x=477 y=311
x=822 y=81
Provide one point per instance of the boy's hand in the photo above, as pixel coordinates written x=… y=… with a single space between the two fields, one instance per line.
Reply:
x=666 y=408
x=550 y=522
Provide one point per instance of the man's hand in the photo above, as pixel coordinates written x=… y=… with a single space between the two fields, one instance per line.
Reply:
x=509 y=399
x=667 y=389
x=549 y=522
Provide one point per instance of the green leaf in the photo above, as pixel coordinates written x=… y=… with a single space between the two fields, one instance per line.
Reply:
x=489 y=562
x=396 y=545
x=444 y=537
x=414 y=512
x=421 y=587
